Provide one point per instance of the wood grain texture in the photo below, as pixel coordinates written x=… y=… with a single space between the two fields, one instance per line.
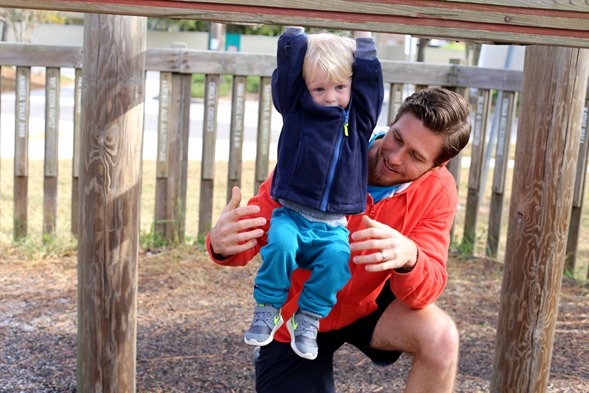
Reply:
x=110 y=190
x=560 y=23
x=548 y=139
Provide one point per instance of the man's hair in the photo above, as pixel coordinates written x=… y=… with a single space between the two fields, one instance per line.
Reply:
x=445 y=113
x=334 y=54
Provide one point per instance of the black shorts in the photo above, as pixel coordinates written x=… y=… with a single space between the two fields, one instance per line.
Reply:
x=279 y=369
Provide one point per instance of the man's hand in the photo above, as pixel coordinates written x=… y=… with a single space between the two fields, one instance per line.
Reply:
x=231 y=235
x=391 y=249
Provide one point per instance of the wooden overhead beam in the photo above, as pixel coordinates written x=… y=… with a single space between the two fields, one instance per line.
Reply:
x=552 y=23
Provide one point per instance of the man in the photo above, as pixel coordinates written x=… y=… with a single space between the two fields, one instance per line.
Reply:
x=399 y=248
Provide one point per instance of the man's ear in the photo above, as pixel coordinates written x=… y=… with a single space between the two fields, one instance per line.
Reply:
x=440 y=166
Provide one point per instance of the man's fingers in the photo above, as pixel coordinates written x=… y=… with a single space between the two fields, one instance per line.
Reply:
x=235 y=199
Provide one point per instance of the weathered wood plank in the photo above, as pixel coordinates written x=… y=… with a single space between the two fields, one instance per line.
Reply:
x=548 y=140
x=21 y=151
x=551 y=23
x=76 y=151
x=209 y=143
x=110 y=184
x=236 y=133
x=52 y=92
x=507 y=108
x=264 y=131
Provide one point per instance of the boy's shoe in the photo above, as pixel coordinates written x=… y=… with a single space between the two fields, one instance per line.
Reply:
x=303 y=327
x=267 y=320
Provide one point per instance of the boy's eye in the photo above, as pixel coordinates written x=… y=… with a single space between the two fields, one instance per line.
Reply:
x=340 y=87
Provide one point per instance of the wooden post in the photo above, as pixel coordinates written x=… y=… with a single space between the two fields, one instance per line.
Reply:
x=552 y=96
x=110 y=191
x=264 y=131
x=51 y=161
x=172 y=156
x=209 y=143
x=236 y=133
x=21 y=151
x=75 y=218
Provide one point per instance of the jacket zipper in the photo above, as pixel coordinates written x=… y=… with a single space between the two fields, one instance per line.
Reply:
x=335 y=159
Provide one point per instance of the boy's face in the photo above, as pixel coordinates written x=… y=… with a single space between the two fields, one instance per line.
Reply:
x=326 y=92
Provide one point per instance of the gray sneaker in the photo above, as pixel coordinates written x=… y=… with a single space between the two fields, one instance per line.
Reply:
x=267 y=320
x=303 y=327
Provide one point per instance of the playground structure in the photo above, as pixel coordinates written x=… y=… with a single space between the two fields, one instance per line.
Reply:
x=553 y=90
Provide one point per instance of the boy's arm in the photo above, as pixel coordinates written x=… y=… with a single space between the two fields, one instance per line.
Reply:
x=367 y=83
x=287 y=78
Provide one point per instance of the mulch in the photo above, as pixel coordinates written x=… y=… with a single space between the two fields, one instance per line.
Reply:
x=192 y=315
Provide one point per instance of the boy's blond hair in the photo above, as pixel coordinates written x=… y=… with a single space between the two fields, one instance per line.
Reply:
x=334 y=54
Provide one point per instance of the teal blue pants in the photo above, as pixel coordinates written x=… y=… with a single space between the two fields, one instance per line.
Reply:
x=294 y=241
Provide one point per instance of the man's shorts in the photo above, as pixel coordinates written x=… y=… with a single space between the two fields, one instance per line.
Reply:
x=279 y=369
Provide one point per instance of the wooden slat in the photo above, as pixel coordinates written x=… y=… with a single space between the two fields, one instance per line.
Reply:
x=395 y=100
x=21 y=151
x=578 y=196
x=76 y=151
x=209 y=140
x=236 y=134
x=551 y=23
x=507 y=108
x=52 y=90
x=264 y=132
x=473 y=198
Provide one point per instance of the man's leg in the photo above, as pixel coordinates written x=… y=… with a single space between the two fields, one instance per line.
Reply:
x=430 y=336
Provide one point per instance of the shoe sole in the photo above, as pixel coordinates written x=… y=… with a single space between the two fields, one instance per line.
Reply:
x=304 y=355
x=257 y=343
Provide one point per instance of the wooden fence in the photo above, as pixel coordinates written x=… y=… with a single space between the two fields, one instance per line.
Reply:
x=493 y=94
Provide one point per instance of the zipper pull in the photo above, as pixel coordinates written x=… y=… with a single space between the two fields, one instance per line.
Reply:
x=346 y=128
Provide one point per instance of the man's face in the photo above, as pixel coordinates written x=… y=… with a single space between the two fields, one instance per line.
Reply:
x=326 y=92
x=406 y=152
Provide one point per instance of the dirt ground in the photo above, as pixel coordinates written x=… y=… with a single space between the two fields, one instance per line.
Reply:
x=192 y=315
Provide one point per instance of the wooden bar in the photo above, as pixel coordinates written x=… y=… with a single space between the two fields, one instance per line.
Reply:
x=51 y=162
x=209 y=140
x=110 y=184
x=21 y=151
x=76 y=152
x=521 y=22
x=263 y=137
x=548 y=138
x=161 y=171
x=578 y=196
x=507 y=108
x=236 y=134
x=473 y=198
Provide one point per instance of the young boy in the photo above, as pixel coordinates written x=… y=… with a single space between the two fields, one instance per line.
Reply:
x=329 y=90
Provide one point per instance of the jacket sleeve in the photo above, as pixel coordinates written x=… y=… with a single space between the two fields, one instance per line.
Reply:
x=367 y=85
x=425 y=282
x=287 y=78
x=267 y=205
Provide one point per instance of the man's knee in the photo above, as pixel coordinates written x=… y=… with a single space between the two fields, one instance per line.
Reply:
x=442 y=346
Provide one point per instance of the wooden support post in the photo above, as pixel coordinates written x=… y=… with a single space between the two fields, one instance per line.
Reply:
x=209 y=143
x=110 y=191
x=21 y=151
x=507 y=115
x=552 y=97
x=473 y=197
x=75 y=218
x=172 y=156
x=395 y=101
x=51 y=162
x=236 y=133
x=578 y=196
x=264 y=132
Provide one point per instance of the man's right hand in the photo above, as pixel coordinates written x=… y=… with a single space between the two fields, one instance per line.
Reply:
x=232 y=235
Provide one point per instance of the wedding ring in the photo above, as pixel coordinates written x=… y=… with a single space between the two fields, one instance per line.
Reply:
x=384 y=258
